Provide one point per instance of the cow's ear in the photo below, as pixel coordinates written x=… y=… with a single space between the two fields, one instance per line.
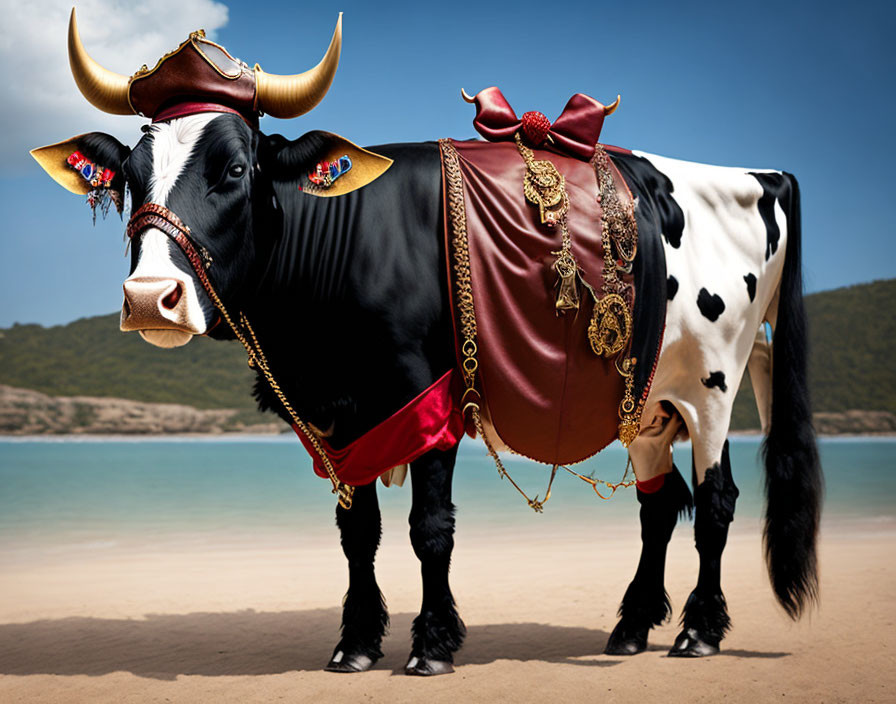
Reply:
x=87 y=163
x=354 y=166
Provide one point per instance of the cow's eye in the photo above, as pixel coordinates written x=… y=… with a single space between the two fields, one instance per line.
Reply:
x=236 y=170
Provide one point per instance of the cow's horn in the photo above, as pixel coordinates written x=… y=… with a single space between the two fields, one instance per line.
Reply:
x=467 y=98
x=291 y=96
x=103 y=89
x=611 y=108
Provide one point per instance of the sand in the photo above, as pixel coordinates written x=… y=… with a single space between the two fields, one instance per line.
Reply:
x=231 y=624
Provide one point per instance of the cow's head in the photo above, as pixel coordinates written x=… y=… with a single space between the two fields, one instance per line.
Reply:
x=202 y=159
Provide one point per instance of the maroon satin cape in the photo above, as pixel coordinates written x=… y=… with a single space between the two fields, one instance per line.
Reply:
x=547 y=394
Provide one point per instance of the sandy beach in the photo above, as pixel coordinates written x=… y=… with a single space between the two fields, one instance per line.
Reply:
x=233 y=624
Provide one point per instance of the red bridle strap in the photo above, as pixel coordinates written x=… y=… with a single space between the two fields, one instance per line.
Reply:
x=161 y=218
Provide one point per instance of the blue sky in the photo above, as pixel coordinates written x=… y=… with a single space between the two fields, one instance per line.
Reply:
x=804 y=87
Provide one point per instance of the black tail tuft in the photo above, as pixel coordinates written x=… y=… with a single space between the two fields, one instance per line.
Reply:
x=793 y=481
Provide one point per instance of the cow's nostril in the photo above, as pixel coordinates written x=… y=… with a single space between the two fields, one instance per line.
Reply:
x=170 y=301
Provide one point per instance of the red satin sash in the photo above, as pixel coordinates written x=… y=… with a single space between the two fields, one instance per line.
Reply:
x=429 y=421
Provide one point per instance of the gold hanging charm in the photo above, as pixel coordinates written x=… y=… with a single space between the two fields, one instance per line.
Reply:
x=543 y=186
x=567 y=291
x=611 y=326
x=629 y=420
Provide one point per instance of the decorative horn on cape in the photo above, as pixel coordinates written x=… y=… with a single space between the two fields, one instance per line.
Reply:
x=611 y=108
x=103 y=89
x=291 y=96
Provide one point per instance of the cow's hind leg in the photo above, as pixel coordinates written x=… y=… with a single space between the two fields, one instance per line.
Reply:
x=438 y=632
x=364 y=615
x=663 y=495
x=705 y=620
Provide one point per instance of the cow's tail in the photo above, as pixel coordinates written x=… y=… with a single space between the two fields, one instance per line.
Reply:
x=793 y=479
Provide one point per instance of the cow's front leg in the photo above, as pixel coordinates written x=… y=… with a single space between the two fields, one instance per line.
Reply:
x=438 y=632
x=364 y=615
x=705 y=620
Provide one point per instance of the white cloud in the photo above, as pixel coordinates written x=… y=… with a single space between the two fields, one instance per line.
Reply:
x=43 y=104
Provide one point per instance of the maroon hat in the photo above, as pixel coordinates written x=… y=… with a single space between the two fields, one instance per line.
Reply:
x=197 y=73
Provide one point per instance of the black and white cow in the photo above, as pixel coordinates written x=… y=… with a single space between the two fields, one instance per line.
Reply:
x=350 y=303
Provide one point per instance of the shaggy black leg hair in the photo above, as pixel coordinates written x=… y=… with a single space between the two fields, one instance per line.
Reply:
x=364 y=615
x=437 y=632
x=646 y=603
x=705 y=620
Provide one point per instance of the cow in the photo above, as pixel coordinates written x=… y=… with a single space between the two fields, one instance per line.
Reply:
x=348 y=298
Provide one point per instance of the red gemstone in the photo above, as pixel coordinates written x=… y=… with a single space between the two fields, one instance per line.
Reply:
x=535 y=126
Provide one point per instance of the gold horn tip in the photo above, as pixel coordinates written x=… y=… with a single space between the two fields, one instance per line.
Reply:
x=104 y=89
x=611 y=108
x=290 y=96
x=467 y=98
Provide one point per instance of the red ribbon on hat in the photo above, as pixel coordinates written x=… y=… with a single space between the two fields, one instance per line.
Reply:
x=574 y=132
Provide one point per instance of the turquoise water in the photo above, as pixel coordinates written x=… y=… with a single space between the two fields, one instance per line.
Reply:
x=96 y=494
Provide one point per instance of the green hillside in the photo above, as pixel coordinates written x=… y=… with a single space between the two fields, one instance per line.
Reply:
x=850 y=366
x=850 y=362
x=91 y=357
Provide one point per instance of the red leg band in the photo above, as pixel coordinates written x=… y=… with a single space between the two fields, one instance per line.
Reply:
x=651 y=486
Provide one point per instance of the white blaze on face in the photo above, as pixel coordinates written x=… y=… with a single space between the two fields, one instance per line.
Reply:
x=172 y=146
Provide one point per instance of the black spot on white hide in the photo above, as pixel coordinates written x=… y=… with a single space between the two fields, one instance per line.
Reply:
x=751 y=286
x=715 y=380
x=671 y=287
x=711 y=305
x=774 y=187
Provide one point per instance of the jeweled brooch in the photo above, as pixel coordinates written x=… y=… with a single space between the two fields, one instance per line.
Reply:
x=94 y=174
x=326 y=172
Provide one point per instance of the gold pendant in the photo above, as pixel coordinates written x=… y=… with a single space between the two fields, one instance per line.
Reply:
x=630 y=422
x=628 y=430
x=545 y=187
x=610 y=327
x=567 y=291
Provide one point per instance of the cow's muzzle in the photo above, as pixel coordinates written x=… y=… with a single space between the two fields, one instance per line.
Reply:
x=152 y=304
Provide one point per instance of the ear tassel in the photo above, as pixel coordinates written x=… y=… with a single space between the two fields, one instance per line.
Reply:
x=103 y=198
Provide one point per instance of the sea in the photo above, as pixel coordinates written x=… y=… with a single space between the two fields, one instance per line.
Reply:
x=64 y=497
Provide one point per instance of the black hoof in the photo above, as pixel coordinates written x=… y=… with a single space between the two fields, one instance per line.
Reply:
x=690 y=644
x=423 y=667
x=627 y=640
x=340 y=662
